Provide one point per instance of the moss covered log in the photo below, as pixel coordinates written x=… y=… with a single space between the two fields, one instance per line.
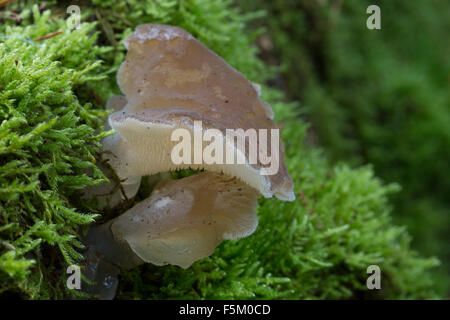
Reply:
x=52 y=93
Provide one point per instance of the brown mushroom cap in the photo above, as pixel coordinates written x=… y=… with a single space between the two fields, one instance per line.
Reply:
x=170 y=80
x=185 y=220
x=165 y=67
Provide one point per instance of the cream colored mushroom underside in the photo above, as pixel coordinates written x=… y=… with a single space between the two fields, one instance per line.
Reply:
x=144 y=148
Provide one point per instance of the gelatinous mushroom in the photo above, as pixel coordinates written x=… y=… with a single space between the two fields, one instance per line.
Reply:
x=171 y=80
x=184 y=220
x=181 y=222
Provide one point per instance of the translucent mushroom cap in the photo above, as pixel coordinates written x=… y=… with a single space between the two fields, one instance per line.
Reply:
x=171 y=80
x=184 y=220
x=165 y=67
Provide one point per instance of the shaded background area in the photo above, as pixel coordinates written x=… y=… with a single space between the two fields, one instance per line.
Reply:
x=377 y=97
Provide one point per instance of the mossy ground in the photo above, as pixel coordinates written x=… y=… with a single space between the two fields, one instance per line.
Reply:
x=51 y=107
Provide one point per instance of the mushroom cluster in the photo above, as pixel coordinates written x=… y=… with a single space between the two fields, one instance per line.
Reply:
x=169 y=81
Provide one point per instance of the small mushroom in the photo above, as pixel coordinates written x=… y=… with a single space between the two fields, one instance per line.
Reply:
x=172 y=80
x=181 y=222
x=185 y=220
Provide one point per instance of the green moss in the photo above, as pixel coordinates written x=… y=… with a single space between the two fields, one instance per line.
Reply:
x=47 y=148
x=316 y=247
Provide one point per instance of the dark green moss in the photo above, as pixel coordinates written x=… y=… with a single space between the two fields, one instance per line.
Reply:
x=375 y=97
